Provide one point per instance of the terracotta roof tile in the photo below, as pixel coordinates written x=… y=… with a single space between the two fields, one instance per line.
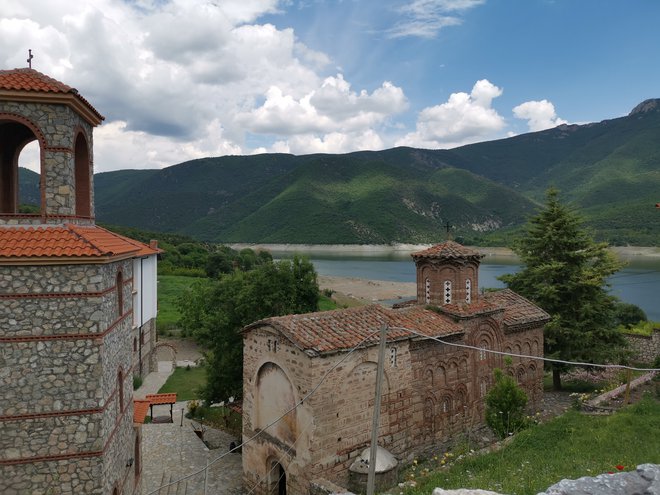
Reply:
x=67 y=241
x=448 y=250
x=330 y=331
x=30 y=80
x=157 y=399
x=517 y=310
x=140 y=410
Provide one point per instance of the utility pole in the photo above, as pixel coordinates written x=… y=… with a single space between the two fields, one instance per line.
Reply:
x=371 y=477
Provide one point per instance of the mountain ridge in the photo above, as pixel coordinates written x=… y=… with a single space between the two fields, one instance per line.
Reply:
x=609 y=170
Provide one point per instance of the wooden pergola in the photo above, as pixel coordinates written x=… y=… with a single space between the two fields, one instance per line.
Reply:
x=151 y=400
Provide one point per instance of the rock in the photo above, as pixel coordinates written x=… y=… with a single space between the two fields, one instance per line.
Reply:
x=645 y=480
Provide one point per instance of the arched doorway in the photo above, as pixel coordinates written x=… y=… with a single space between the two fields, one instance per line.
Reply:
x=276 y=479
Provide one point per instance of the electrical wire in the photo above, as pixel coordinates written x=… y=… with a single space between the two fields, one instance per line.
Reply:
x=526 y=356
x=257 y=434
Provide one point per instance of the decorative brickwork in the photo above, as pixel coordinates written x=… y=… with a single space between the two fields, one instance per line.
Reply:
x=432 y=392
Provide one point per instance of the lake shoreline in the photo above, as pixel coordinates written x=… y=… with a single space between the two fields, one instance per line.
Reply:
x=406 y=249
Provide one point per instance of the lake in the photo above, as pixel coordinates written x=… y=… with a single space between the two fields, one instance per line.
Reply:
x=638 y=283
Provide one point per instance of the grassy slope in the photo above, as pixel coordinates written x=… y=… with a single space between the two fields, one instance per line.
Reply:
x=570 y=446
x=185 y=382
x=170 y=288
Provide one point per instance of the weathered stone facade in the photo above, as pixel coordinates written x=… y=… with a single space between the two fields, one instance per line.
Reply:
x=645 y=349
x=67 y=293
x=432 y=391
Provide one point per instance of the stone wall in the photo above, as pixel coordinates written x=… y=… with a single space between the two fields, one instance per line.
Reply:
x=432 y=393
x=56 y=128
x=645 y=349
x=66 y=418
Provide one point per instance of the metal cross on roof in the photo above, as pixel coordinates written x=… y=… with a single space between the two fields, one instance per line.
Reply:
x=448 y=227
x=30 y=57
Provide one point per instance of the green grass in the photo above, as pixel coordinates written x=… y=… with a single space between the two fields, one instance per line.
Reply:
x=170 y=288
x=221 y=418
x=644 y=328
x=185 y=382
x=570 y=446
x=326 y=303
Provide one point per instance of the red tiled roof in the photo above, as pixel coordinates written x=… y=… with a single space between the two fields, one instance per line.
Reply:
x=140 y=410
x=329 y=331
x=32 y=81
x=448 y=250
x=67 y=241
x=157 y=399
x=517 y=309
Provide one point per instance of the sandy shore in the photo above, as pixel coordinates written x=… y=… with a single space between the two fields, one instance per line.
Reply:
x=404 y=250
x=363 y=291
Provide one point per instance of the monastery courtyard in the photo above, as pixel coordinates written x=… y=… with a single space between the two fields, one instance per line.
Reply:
x=171 y=451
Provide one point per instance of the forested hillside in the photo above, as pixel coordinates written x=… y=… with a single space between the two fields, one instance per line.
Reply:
x=609 y=170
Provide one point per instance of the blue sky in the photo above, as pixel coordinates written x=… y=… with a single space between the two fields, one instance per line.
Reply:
x=182 y=79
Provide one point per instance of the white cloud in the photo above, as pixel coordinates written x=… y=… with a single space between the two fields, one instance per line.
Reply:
x=464 y=118
x=425 y=18
x=334 y=142
x=540 y=115
x=331 y=108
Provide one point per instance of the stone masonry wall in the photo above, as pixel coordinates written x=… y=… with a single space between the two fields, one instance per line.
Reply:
x=57 y=124
x=645 y=349
x=61 y=395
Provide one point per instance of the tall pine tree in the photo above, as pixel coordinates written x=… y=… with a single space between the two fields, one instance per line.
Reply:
x=565 y=272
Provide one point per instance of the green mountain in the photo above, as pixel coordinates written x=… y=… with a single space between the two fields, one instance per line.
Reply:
x=610 y=171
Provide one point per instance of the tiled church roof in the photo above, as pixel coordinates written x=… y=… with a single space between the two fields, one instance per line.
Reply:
x=330 y=331
x=67 y=241
x=32 y=81
x=518 y=311
x=448 y=250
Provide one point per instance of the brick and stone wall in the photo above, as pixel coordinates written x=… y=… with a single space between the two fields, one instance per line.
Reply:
x=645 y=349
x=63 y=342
x=56 y=127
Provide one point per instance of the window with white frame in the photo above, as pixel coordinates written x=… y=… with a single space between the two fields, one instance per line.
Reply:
x=447 y=291
x=393 y=357
x=427 y=288
x=468 y=291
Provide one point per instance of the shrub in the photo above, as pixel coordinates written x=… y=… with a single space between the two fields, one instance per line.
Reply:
x=193 y=405
x=505 y=406
x=137 y=382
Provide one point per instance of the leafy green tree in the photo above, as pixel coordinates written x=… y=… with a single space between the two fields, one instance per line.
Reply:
x=215 y=311
x=505 y=405
x=565 y=272
x=628 y=315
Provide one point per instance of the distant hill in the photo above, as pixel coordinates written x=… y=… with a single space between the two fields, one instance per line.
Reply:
x=609 y=170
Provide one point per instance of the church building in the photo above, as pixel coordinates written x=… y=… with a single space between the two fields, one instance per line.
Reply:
x=432 y=390
x=77 y=307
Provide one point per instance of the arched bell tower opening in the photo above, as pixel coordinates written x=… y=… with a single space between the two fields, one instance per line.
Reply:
x=82 y=176
x=15 y=134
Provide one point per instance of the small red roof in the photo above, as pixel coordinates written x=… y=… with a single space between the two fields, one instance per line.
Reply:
x=156 y=399
x=448 y=250
x=32 y=81
x=65 y=241
x=140 y=410
x=331 y=331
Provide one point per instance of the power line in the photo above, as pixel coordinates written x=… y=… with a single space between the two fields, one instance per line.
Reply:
x=257 y=434
x=538 y=358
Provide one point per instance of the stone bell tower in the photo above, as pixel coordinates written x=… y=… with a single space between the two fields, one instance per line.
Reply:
x=447 y=274
x=66 y=307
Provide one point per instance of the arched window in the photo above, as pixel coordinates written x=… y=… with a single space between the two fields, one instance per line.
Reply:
x=136 y=455
x=447 y=291
x=120 y=293
x=120 y=390
x=482 y=350
x=134 y=344
x=427 y=288
x=393 y=357
x=83 y=189
x=468 y=291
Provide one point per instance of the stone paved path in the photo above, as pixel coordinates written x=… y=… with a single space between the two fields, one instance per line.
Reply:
x=171 y=451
